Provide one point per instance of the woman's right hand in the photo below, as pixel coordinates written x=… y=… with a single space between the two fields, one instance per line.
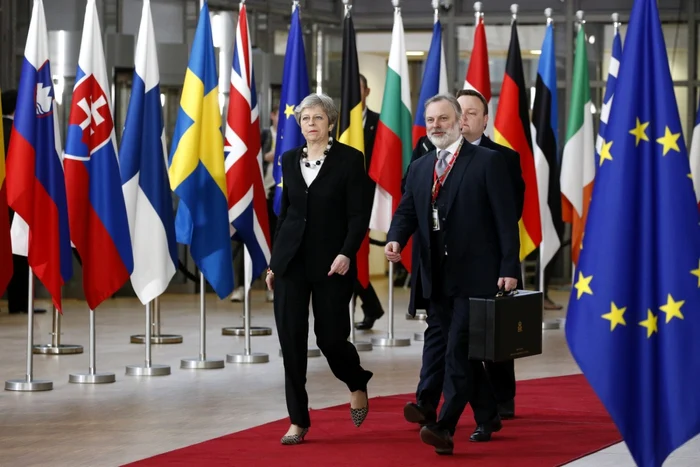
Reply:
x=270 y=280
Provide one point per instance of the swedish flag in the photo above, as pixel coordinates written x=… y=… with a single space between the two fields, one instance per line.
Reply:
x=197 y=174
x=633 y=323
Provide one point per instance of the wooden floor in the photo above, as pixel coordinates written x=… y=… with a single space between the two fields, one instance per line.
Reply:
x=137 y=417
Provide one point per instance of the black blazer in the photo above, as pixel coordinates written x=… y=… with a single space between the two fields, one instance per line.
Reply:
x=326 y=218
x=512 y=159
x=480 y=226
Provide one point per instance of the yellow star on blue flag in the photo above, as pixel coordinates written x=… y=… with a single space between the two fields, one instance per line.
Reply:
x=295 y=87
x=642 y=358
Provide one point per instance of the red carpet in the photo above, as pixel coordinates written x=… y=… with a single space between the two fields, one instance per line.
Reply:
x=557 y=420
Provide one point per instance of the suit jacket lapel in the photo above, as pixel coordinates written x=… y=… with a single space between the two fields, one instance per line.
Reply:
x=297 y=167
x=457 y=173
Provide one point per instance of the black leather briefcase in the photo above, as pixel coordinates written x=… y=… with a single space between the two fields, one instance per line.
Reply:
x=505 y=327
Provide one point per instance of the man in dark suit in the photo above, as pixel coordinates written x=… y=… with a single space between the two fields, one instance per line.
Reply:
x=371 y=306
x=464 y=216
x=502 y=374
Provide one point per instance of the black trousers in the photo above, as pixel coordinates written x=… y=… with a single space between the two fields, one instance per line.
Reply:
x=371 y=306
x=18 y=288
x=465 y=380
x=329 y=297
x=501 y=375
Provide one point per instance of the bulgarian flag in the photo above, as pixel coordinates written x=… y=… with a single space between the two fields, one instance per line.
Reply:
x=392 y=145
x=578 y=161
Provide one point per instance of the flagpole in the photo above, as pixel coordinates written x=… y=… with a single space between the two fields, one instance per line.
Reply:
x=390 y=340
x=156 y=336
x=547 y=324
x=55 y=347
x=148 y=368
x=29 y=383
x=248 y=356
x=361 y=346
x=202 y=362
x=92 y=376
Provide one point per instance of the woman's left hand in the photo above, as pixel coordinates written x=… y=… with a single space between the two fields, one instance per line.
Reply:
x=340 y=265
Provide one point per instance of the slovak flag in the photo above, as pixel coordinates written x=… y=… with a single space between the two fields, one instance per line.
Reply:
x=247 y=203
x=98 y=223
x=36 y=187
x=144 y=175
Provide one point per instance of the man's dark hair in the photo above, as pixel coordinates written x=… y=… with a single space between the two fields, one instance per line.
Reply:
x=9 y=101
x=275 y=108
x=477 y=94
x=363 y=80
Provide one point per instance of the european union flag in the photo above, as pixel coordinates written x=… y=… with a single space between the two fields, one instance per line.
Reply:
x=295 y=87
x=633 y=324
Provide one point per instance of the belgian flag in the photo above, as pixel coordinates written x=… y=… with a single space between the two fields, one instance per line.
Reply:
x=350 y=128
x=512 y=129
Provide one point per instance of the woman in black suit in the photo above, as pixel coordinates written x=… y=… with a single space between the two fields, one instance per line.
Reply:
x=319 y=231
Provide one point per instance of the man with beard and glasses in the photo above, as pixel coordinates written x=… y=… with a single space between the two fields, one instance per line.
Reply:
x=464 y=216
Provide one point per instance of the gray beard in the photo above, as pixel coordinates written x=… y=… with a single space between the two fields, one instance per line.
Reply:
x=443 y=142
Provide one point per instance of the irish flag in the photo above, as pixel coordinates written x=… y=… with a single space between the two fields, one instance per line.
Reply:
x=392 y=145
x=578 y=161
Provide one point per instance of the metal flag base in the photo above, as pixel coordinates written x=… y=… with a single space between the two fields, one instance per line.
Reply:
x=92 y=378
x=196 y=363
x=418 y=336
x=550 y=324
x=29 y=383
x=362 y=346
x=240 y=331
x=151 y=370
x=160 y=339
x=55 y=347
x=61 y=349
x=310 y=353
x=254 y=357
x=24 y=385
x=391 y=342
x=420 y=315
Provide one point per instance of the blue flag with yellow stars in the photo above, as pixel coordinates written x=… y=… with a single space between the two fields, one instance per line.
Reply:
x=633 y=323
x=295 y=87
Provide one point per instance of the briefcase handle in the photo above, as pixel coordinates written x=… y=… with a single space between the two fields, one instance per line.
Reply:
x=503 y=293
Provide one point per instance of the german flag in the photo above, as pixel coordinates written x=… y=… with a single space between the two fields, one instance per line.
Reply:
x=512 y=129
x=350 y=128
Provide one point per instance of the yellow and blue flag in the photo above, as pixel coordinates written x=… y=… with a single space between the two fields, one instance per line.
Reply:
x=633 y=323
x=295 y=87
x=197 y=174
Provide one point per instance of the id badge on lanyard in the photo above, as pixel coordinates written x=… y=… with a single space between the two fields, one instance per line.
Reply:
x=436 y=219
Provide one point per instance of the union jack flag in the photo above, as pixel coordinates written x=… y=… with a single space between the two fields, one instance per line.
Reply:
x=247 y=204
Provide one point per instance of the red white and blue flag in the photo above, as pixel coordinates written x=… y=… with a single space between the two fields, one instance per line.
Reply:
x=247 y=203
x=98 y=222
x=434 y=79
x=36 y=187
x=144 y=175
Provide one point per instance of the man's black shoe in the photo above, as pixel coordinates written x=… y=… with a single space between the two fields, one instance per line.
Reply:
x=415 y=413
x=483 y=431
x=506 y=410
x=439 y=438
x=367 y=323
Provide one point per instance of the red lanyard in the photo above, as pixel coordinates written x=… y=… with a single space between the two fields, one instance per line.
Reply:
x=439 y=181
